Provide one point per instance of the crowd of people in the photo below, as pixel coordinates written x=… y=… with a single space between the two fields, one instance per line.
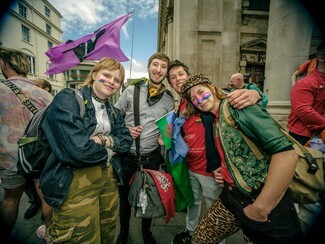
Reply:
x=83 y=189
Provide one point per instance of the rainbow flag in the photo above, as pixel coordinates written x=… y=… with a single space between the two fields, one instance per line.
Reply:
x=166 y=126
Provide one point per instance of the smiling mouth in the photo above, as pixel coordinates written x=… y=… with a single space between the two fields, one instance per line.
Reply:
x=203 y=104
x=110 y=87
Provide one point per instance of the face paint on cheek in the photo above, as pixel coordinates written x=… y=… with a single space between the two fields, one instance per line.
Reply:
x=200 y=99
x=101 y=80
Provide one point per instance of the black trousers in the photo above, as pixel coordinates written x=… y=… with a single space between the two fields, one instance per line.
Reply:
x=283 y=225
x=130 y=164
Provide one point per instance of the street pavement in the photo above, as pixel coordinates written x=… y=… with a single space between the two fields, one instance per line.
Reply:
x=163 y=233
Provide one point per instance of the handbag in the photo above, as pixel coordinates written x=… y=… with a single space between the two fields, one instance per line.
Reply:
x=144 y=196
x=308 y=183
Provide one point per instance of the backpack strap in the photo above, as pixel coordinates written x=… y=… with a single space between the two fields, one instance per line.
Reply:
x=81 y=101
x=136 y=114
x=25 y=101
x=312 y=164
x=230 y=121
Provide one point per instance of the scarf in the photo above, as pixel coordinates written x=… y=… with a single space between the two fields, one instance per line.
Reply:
x=212 y=154
x=155 y=94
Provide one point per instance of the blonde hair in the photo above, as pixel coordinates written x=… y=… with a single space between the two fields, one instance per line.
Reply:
x=105 y=63
x=16 y=59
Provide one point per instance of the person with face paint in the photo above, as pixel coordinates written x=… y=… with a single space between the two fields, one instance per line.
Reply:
x=254 y=196
x=201 y=159
x=81 y=176
x=154 y=102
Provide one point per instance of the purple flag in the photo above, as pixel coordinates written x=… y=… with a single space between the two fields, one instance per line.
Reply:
x=105 y=42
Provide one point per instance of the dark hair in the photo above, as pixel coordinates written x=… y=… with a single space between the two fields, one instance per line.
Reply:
x=47 y=84
x=320 y=50
x=176 y=63
x=43 y=83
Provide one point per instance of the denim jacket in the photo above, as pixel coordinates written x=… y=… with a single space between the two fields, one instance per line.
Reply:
x=68 y=136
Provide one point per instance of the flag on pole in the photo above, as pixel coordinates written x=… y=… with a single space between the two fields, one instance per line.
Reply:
x=105 y=42
x=165 y=125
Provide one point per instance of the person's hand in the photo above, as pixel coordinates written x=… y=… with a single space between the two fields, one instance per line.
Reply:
x=218 y=177
x=100 y=139
x=255 y=214
x=243 y=98
x=161 y=141
x=136 y=131
x=96 y=139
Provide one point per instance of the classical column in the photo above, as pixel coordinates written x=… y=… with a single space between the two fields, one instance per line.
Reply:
x=288 y=44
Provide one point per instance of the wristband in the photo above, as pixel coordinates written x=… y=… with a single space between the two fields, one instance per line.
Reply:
x=111 y=142
x=102 y=138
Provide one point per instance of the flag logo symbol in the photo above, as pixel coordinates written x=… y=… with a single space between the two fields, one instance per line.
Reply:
x=166 y=128
x=105 y=42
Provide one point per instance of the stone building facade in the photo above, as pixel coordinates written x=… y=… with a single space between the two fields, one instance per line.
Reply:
x=32 y=27
x=266 y=40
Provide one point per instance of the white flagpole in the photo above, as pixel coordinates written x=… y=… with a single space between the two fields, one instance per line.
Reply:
x=132 y=45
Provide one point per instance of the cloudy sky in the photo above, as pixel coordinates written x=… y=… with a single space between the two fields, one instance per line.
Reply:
x=83 y=17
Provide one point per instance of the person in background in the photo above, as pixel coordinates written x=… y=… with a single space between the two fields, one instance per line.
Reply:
x=237 y=82
x=307 y=118
x=304 y=69
x=44 y=84
x=13 y=121
x=201 y=160
x=154 y=102
x=254 y=196
x=80 y=178
x=307 y=98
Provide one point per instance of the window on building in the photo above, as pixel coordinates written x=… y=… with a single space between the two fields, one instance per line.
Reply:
x=50 y=77
x=48 y=29
x=259 y=5
x=25 y=33
x=22 y=10
x=47 y=12
x=49 y=44
x=32 y=69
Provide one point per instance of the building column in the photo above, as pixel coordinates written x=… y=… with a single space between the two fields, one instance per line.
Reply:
x=288 y=44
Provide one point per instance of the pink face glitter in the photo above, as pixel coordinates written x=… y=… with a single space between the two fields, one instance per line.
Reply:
x=200 y=99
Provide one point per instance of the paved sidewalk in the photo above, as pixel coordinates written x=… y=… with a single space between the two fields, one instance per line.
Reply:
x=163 y=233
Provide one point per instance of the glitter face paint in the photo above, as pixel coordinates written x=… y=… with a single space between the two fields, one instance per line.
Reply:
x=200 y=99
x=101 y=80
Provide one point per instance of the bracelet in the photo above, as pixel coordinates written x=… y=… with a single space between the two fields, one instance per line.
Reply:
x=104 y=141
x=111 y=142
x=102 y=138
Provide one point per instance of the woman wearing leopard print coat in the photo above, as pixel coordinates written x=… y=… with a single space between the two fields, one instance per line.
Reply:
x=254 y=197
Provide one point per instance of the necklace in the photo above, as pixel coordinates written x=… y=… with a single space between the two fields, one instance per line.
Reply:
x=102 y=101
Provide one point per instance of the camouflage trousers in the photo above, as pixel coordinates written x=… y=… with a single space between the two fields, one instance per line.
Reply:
x=89 y=212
